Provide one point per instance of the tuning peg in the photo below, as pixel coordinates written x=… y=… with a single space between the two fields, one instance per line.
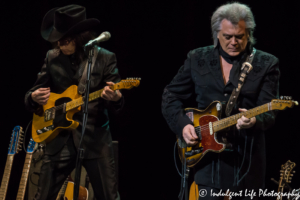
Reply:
x=294 y=171
x=291 y=175
x=281 y=171
x=290 y=98
x=281 y=97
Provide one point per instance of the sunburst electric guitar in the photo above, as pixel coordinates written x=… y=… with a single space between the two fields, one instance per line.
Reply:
x=60 y=108
x=23 y=182
x=14 y=147
x=286 y=174
x=207 y=124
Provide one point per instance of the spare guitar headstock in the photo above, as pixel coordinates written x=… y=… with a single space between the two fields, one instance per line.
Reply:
x=16 y=140
x=286 y=171
x=286 y=174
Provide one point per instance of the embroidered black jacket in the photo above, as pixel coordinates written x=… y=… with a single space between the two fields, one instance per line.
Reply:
x=201 y=76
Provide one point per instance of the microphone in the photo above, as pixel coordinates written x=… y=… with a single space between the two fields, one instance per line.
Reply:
x=101 y=38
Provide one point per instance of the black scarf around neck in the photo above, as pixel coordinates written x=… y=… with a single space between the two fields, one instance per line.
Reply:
x=228 y=58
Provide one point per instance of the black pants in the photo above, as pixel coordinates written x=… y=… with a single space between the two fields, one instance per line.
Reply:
x=56 y=168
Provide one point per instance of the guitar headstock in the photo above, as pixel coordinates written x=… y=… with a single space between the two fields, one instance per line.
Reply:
x=16 y=140
x=127 y=83
x=31 y=146
x=286 y=172
x=283 y=103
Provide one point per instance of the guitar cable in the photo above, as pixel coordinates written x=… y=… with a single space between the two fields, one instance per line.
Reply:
x=175 y=162
x=24 y=148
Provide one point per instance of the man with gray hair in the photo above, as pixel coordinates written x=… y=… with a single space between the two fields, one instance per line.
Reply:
x=212 y=73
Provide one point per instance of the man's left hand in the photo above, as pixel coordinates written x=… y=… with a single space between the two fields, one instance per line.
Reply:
x=244 y=122
x=109 y=94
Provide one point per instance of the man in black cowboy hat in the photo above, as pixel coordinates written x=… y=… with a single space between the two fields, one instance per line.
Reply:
x=68 y=28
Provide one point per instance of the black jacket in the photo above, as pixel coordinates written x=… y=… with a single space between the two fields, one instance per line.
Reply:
x=201 y=76
x=60 y=72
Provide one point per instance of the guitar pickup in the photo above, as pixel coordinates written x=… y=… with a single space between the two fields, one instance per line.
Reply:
x=193 y=152
x=45 y=129
x=49 y=114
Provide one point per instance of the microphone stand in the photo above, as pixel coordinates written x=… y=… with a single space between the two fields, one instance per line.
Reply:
x=80 y=152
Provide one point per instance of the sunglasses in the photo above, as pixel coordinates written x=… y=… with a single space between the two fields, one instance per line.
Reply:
x=64 y=41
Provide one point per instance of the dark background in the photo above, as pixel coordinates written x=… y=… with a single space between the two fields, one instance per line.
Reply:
x=151 y=40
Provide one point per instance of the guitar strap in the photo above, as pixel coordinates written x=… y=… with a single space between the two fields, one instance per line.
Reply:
x=246 y=68
x=82 y=82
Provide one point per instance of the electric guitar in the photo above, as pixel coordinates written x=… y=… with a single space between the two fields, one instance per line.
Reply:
x=207 y=125
x=14 y=147
x=60 y=108
x=23 y=182
x=285 y=177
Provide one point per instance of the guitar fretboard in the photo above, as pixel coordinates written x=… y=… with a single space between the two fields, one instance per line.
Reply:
x=62 y=190
x=95 y=95
x=78 y=102
x=232 y=120
x=6 y=175
x=24 y=177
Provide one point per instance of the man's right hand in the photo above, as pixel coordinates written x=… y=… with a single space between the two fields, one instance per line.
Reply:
x=41 y=95
x=189 y=135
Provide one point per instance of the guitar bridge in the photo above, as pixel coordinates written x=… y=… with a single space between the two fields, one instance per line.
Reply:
x=193 y=152
x=45 y=129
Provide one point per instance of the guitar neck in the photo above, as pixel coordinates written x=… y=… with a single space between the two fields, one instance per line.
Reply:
x=232 y=120
x=6 y=176
x=24 y=178
x=95 y=95
x=280 y=189
x=62 y=190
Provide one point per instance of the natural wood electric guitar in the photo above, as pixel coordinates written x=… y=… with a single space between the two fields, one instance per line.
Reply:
x=67 y=190
x=60 y=108
x=14 y=147
x=207 y=124
x=285 y=177
x=23 y=182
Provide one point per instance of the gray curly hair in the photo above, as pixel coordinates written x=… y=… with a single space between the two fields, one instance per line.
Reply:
x=234 y=12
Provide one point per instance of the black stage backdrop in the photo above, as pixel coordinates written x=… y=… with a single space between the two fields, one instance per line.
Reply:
x=151 y=40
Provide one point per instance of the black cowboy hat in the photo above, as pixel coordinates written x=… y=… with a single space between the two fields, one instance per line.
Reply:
x=66 y=20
